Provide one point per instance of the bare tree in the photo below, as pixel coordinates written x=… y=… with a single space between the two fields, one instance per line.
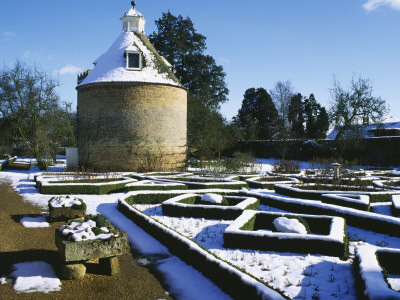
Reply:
x=281 y=95
x=31 y=107
x=355 y=106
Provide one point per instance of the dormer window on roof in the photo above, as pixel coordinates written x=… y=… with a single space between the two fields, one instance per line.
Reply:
x=133 y=60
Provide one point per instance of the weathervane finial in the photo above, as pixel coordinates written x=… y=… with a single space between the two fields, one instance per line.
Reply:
x=133 y=4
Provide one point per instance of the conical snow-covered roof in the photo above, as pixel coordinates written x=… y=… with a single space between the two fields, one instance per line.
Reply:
x=112 y=66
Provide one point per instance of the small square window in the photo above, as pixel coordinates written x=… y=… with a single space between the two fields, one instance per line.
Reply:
x=133 y=61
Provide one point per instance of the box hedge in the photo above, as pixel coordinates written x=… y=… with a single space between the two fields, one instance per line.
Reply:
x=194 y=183
x=372 y=265
x=328 y=234
x=191 y=206
x=151 y=185
x=296 y=191
x=357 y=218
x=157 y=197
x=230 y=279
x=56 y=187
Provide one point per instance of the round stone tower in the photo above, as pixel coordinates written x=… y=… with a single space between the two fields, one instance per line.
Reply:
x=132 y=110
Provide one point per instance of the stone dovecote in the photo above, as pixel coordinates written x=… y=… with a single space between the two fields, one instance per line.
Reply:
x=132 y=110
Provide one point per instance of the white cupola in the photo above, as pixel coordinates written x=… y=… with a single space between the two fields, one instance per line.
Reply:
x=133 y=20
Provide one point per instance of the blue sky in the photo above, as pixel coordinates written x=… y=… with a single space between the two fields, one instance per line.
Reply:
x=258 y=42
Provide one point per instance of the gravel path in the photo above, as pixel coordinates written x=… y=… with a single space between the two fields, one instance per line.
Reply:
x=21 y=244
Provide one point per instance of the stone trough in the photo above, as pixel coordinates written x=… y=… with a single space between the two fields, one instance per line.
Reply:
x=74 y=254
x=61 y=210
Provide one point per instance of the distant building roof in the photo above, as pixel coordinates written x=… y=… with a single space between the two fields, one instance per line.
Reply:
x=370 y=130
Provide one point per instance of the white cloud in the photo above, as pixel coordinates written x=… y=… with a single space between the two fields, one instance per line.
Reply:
x=224 y=60
x=9 y=33
x=28 y=54
x=374 y=4
x=69 y=69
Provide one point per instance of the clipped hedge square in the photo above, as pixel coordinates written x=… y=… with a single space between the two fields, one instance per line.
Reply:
x=191 y=206
x=255 y=230
x=309 y=191
x=146 y=185
x=375 y=266
x=195 y=182
x=353 y=201
x=263 y=182
x=54 y=186
x=396 y=205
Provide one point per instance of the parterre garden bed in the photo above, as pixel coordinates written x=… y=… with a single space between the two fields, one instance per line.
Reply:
x=292 y=275
x=56 y=185
x=233 y=242
x=268 y=256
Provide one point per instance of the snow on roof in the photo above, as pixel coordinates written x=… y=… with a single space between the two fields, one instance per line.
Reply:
x=367 y=129
x=111 y=66
x=133 y=13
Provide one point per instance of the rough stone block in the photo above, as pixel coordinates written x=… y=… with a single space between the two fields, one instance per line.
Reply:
x=72 y=251
x=110 y=265
x=72 y=271
x=66 y=213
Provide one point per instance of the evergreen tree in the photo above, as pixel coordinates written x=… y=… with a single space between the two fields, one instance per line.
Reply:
x=316 y=119
x=295 y=116
x=258 y=117
x=322 y=124
x=177 y=40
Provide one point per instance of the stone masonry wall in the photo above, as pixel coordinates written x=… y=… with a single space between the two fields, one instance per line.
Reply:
x=130 y=126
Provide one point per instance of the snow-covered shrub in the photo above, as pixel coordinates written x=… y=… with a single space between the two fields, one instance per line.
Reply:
x=292 y=225
x=210 y=198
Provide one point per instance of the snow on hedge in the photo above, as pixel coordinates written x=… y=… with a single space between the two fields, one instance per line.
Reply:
x=63 y=181
x=264 y=291
x=306 y=274
x=324 y=206
x=336 y=229
x=371 y=272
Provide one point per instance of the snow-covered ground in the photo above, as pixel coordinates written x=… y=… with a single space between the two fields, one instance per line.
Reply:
x=299 y=276
x=184 y=281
